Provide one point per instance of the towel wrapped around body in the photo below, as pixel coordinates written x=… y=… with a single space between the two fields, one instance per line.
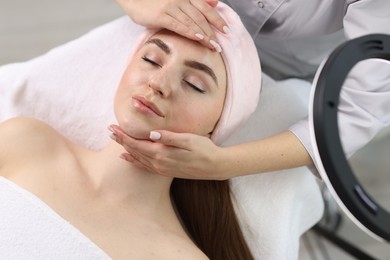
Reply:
x=25 y=219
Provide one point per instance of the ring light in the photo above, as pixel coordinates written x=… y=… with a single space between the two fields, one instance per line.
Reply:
x=329 y=156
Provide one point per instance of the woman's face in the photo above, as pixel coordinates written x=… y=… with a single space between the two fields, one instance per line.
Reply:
x=171 y=83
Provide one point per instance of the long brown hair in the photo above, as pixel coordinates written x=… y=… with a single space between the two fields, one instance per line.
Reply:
x=206 y=209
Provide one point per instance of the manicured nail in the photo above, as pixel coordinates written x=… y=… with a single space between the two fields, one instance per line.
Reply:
x=199 y=36
x=216 y=46
x=226 y=29
x=155 y=135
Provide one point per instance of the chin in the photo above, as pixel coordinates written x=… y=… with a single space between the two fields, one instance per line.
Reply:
x=133 y=126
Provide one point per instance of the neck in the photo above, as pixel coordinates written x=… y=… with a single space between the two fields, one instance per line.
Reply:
x=121 y=182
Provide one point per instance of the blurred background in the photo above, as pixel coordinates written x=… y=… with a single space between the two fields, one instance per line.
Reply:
x=31 y=28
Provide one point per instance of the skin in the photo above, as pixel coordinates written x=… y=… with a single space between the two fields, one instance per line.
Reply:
x=166 y=76
x=125 y=210
x=197 y=157
x=184 y=17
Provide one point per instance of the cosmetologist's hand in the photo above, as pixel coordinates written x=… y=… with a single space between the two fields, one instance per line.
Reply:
x=185 y=156
x=189 y=18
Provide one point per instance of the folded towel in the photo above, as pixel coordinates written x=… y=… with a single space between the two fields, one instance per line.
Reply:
x=72 y=88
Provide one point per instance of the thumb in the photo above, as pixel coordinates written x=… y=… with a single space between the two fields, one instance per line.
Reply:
x=212 y=3
x=178 y=140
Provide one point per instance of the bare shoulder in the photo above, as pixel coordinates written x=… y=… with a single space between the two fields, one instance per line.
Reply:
x=25 y=139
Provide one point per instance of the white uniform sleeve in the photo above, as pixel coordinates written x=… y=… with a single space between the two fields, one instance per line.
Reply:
x=364 y=107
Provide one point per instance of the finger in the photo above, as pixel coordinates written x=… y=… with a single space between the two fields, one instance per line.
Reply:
x=211 y=15
x=171 y=23
x=180 y=23
x=199 y=23
x=144 y=147
x=177 y=140
x=177 y=173
x=135 y=161
x=212 y=3
x=189 y=21
x=142 y=164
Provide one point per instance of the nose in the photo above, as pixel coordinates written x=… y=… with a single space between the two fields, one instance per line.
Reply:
x=161 y=83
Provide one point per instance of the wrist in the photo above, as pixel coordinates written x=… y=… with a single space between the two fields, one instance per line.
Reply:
x=225 y=164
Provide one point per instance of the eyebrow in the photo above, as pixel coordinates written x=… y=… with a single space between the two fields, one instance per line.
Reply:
x=202 y=67
x=162 y=45
x=189 y=63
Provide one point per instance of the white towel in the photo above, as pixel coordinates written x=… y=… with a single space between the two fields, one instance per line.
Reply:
x=72 y=88
x=277 y=207
x=30 y=229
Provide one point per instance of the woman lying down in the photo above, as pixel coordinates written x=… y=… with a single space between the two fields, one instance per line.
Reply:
x=59 y=200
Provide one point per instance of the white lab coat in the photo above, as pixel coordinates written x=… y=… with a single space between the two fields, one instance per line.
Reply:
x=294 y=36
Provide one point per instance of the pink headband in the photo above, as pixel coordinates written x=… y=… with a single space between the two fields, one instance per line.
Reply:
x=243 y=73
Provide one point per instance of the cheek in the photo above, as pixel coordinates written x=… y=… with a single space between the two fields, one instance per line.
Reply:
x=123 y=105
x=134 y=74
x=133 y=123
x=196 y=118
x=130 y=82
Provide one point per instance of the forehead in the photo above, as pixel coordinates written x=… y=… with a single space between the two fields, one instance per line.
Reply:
x=176 y=40
x=183 y=48
x=186 y=47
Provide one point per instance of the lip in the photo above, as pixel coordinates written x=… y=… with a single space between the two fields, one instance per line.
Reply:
x=143 y=104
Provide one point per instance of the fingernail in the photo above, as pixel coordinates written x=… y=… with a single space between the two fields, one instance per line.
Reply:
x=226 y=29
x=110 y=129
x=199 y=36
x=122 y=157
x=216 y=46
x=155 y=135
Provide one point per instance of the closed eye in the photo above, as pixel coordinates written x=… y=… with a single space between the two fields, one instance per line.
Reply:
x=194 y=87
x=151 y=61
